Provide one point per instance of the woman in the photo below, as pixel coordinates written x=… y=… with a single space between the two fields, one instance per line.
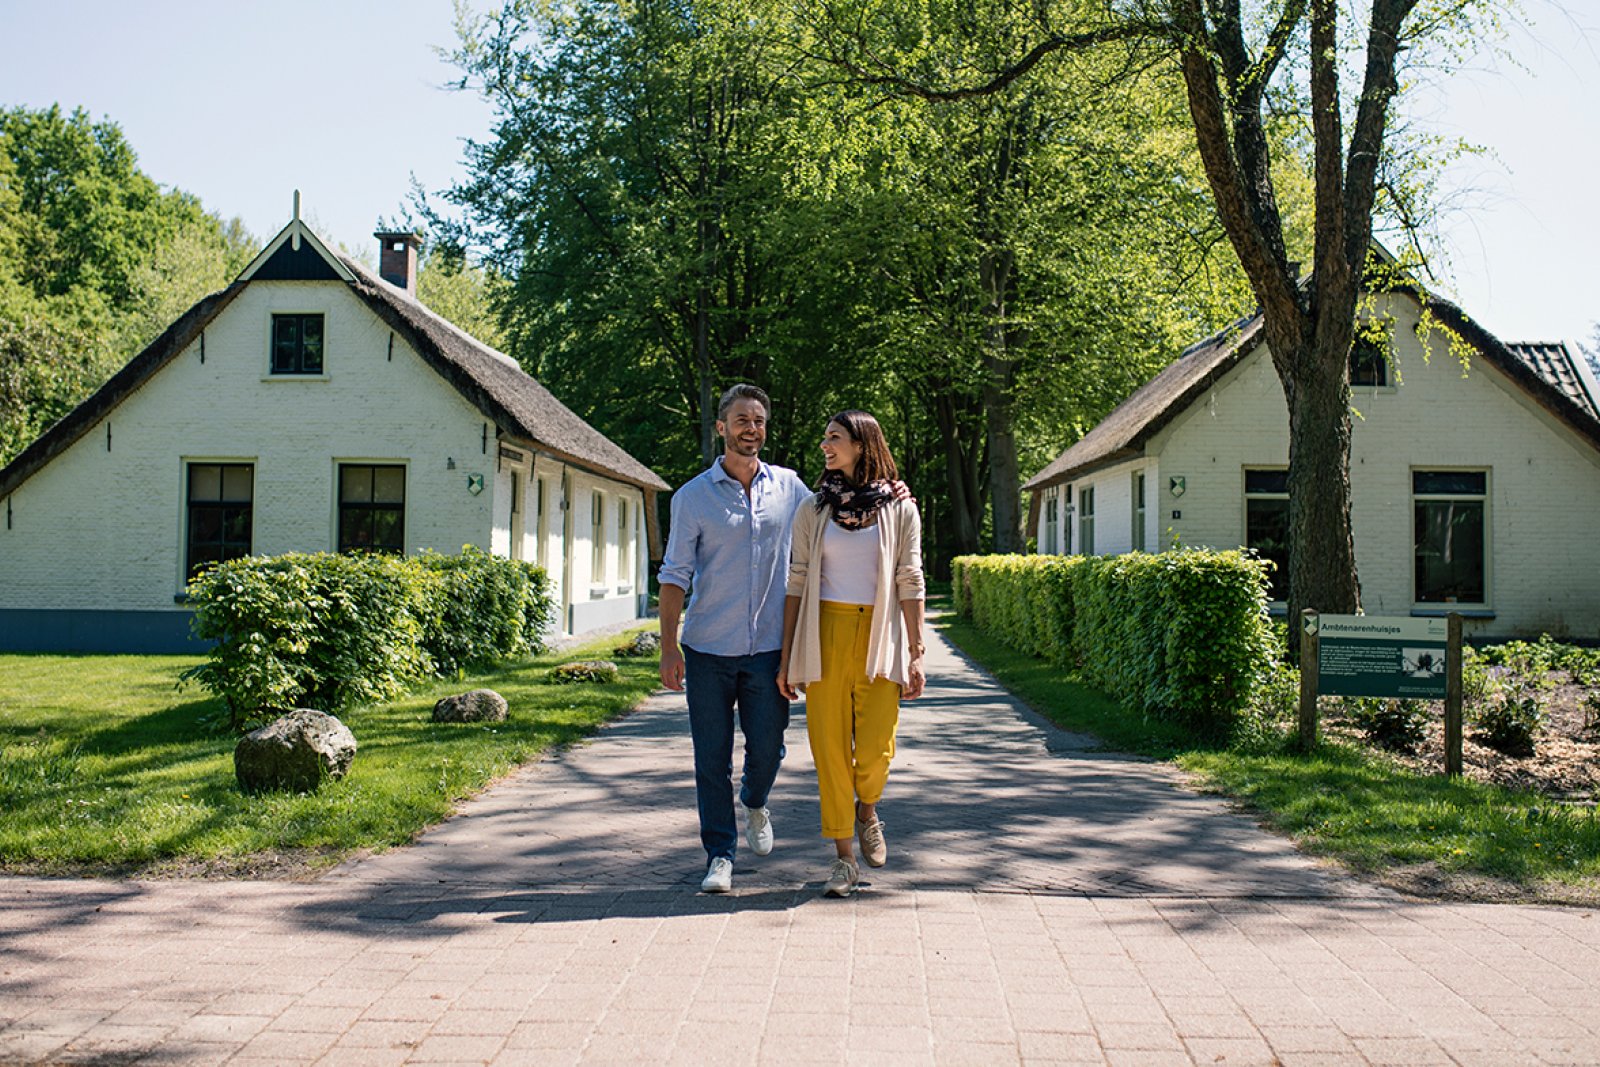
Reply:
x=852 y=631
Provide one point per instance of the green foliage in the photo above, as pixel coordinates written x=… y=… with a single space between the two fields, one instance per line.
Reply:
x=1541 y=656
x=585 y=670
x=469 y=296
x=1026 y=601
x=484 y=609
x=96 y=259
x=1395 y=725
x=340 y=631
x=1508 y=720
x=1179 y=635
x=680 y=196
x=1270 y=718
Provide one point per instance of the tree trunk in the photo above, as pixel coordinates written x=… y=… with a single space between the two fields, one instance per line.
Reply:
x=999 y=381
x=1322 y=558
x=961 y=470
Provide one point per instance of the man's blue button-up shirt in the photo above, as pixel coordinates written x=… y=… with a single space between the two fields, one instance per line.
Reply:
x=731 y=553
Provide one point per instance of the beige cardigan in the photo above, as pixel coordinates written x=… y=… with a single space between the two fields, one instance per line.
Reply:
x=899 y=529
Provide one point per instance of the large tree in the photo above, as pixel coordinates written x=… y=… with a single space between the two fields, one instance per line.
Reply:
x=1243 y=66
x=679 y=200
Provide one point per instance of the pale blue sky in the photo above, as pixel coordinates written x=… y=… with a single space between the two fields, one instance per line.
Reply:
x=243 y=102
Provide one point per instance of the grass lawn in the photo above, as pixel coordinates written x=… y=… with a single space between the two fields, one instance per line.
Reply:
x=106 y=767
x=1420 y=833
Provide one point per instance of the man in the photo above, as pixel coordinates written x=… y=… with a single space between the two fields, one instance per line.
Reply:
x=730 y=545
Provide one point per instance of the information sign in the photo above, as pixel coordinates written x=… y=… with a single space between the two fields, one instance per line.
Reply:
x=1380 y=656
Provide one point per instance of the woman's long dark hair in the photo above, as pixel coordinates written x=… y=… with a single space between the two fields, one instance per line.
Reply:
x=875 y=463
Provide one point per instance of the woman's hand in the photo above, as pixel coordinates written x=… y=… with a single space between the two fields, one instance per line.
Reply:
x=789 y=692
x=916 y=680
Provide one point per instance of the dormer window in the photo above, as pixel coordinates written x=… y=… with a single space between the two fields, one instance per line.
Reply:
x=1368 y=365
x=297 y=344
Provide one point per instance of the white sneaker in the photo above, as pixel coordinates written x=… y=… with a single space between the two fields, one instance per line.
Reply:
x=758 y=830
x=873 y=847
x=842 y=879
x=719 y=876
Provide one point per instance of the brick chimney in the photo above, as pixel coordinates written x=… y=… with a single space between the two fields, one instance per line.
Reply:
x=397 y=259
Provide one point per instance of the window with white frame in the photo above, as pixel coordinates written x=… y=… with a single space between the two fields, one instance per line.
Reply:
x=1450 y=527
x=1266 y=525
x=221 y=500
x=372 y=507
x=597 y=538
x=297 y=344
x=1138 y=511
x=1086 y=521
x=1051 y=512
x=1064 y=495
x=624 y=544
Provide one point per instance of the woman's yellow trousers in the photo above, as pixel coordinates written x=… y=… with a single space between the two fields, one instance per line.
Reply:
x=850 y=719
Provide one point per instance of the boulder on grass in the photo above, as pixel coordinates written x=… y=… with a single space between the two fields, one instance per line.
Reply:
x=480 y=705
x=294 y=753
x=644 y=643
x=585 y=670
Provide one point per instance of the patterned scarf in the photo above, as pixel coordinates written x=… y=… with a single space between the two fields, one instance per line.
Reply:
x=856 y=507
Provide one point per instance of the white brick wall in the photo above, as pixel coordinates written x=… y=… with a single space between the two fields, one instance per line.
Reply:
x=105 y=529
x=1544 y=482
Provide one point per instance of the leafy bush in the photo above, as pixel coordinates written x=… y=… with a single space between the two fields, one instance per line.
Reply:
x=1509 y=720
x=1273 y=712
x=1590 y=681
x=1542 y=656
x=1181 y=635
x=1025 y=601
x=482 y=609
x=1511 y=723
x=1395 y=725
x=337 y=631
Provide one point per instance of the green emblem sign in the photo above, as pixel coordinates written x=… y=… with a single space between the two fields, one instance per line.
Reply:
x=1378 y=656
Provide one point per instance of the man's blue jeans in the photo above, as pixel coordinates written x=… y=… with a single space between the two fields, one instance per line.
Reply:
x=714 y=686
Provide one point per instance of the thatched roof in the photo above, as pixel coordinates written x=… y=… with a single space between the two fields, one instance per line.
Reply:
x=506 y=394
x=514 y=402
x=1553 y=376
x=1121 y=435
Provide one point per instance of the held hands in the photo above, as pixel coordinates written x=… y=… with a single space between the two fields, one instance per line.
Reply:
x=672 y=666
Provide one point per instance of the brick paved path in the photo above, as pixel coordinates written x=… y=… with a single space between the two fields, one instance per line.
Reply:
x=1043 y=904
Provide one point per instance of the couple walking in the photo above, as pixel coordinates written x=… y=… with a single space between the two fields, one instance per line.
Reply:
x=793 y=591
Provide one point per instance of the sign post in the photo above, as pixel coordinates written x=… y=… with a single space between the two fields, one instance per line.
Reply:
x=1452 y=698
x=1401 y=658
x=1309 y=643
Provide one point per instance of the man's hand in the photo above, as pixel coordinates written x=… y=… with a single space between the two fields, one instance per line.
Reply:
x=672 y=667
x=789 y=692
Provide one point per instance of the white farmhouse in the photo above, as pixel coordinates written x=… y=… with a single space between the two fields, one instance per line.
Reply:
x=310 y=406
x=1474 y=488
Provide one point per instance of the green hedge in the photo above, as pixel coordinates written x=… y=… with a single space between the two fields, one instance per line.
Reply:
x=338 y=631
x=1026 y=601
x=1181 y=635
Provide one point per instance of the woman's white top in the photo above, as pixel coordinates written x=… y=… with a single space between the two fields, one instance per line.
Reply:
x=849 y=564
x=899 y=533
